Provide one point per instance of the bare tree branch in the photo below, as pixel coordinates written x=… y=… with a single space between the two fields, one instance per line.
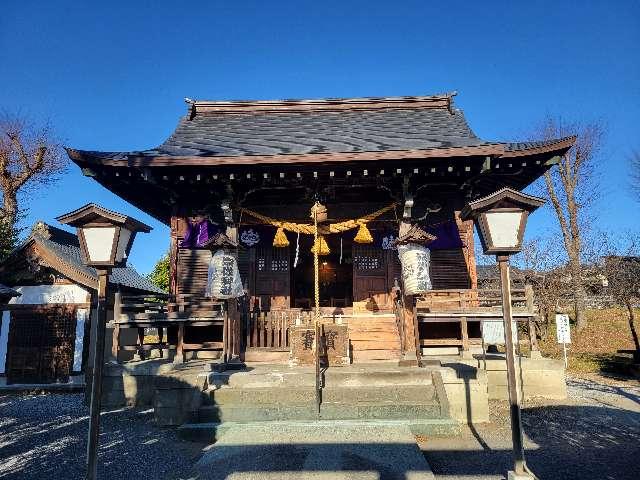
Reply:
x=571 y=188
x=30 y=157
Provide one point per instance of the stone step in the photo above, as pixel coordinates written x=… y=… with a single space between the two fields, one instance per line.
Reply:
x=255 y=413
x=262 y=395
x=392 y=410
x=328 y=411
x=399 y=393
x=356 y=375
x=306 y=395
x=212 y=431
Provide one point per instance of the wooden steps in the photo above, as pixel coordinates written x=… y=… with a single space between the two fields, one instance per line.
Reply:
x=374 y=338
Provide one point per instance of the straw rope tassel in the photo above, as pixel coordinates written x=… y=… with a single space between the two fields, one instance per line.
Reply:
x=280 y=239
x=363 y=235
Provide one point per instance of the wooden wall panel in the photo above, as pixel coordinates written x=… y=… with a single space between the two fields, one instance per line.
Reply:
x=449 y=269
x=193 y=268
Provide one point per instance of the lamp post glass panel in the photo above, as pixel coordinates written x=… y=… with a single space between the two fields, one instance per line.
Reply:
x=500 y=219
x=105 y=242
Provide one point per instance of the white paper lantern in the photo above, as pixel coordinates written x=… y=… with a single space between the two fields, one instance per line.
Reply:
x=415 y=261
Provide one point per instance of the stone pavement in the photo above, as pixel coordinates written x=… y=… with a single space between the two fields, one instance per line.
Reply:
x=301 y=451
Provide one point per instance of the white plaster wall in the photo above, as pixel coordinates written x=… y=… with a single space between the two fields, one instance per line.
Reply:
x=43 y=294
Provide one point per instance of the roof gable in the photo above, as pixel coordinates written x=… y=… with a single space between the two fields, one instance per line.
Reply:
x=60 y=250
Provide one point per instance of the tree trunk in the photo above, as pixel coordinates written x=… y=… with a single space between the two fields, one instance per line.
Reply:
x=10 y=207
x=634 y=334
x=579 y=293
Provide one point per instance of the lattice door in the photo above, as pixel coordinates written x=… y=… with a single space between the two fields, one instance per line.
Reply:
x=273 y=277
x=371 y=276
x=40 y=347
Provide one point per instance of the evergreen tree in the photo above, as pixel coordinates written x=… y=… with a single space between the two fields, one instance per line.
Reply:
x=160 y=273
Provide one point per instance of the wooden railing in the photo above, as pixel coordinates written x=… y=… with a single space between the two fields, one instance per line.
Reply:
x=467 y=306
x=269 y=329
x=169 y=316
x=467 y=299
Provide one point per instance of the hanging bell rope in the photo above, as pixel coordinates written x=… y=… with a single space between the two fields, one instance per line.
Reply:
x=363 y=235
x=280 y=239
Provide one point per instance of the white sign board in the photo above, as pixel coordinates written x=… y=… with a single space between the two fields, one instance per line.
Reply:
x=493 y=332
x=563 y=332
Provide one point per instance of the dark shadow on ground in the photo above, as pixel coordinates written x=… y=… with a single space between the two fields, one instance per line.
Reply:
x=387 y=461
x=582 y=442
x=44 y=436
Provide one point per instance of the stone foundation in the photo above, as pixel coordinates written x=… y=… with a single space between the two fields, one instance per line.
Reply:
x=539 y=377
x=466 y=391
x=173 y=390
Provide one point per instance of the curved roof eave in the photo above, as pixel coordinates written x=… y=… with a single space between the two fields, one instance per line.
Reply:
x=140 y=159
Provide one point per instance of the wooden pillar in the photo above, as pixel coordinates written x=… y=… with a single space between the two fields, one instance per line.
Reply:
x=412 y=334
x=466 y=235
x=465 y=338
x=117 y=311
x=96 y=380
x=173 y=255
x=416 y=330
x=140 y=342
x=531 y=326
x=179 y=358
x=231 y=335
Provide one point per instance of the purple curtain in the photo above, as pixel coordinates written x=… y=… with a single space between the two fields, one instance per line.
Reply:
x=198 y=233
x=447 y=235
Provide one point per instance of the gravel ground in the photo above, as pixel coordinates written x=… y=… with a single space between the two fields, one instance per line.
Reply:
x=593 y=434
x=44 y=436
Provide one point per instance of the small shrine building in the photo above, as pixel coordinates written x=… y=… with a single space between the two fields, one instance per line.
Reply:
x=251 y=170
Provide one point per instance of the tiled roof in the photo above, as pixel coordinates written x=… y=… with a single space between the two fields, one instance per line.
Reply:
x=264 y=131
x=295 y=133
x=6 y=292
x=521 y=146
x=215 y=134
x=66 y=249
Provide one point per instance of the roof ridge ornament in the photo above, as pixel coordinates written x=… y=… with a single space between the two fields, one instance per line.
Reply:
x=440 y=100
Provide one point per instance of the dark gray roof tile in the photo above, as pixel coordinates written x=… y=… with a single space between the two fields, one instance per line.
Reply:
x=66 y=247
x=6 y=292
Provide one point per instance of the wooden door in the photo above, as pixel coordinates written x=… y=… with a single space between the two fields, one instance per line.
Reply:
x=40 y=347
x=371 y=276
x=272 y=277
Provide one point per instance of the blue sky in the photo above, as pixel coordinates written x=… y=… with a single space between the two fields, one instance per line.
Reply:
x=113 y=75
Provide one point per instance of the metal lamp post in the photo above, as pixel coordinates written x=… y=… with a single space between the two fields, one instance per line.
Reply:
x=500 y=219
x=105 y=242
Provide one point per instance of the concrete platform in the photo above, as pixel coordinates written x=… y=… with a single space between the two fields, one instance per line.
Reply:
x=315 y=451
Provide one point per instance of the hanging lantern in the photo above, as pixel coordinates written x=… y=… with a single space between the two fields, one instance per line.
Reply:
x=324 y=248
x=363 y=235
x=280 y=240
